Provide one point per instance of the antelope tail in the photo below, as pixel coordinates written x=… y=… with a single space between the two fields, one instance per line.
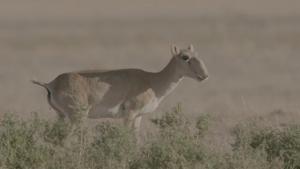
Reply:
x=44 y=85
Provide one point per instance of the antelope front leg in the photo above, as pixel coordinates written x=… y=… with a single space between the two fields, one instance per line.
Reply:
x=137 y=124
x=136 y=127
x=128 y=120
x=133 y=121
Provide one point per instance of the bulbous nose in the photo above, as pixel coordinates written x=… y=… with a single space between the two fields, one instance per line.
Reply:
x=205 y=76
x=204 y=70
x=202 y=77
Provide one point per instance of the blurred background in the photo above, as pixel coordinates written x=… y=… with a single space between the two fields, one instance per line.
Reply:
x=251 y=49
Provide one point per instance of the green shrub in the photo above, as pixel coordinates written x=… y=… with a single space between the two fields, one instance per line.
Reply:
x=278 y=144
x=20 y=144
x=176 y=146
x=113 y=146
x=56 y=132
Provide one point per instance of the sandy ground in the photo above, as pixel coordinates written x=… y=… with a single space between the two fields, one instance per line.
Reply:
x=251 y=49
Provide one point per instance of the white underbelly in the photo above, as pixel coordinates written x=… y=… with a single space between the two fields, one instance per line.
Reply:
x=150 y=106
x=102 y=111
x=117 y=111
x=114 y=110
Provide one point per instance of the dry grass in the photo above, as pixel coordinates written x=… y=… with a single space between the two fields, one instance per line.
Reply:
x=251 y=52
x=177 y=144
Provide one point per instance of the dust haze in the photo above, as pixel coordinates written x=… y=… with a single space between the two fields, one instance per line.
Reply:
x=251 y=50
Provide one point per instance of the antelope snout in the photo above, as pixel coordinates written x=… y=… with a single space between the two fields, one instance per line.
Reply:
x=202 y=77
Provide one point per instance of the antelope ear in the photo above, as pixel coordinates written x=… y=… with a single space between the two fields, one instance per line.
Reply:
x=174 y=50
x=191 y=48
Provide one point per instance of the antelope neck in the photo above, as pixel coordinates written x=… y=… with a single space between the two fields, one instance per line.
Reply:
x=167 y=79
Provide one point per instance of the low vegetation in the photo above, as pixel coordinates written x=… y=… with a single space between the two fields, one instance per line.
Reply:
x=177 y=144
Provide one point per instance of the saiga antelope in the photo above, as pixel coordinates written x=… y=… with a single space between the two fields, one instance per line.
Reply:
x=124 y=93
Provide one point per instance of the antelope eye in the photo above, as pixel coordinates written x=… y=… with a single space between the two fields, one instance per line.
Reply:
x=185 y=57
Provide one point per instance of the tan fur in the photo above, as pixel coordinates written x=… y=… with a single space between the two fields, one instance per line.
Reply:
x=125 y=93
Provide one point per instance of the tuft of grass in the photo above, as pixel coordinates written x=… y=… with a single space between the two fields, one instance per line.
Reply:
x=177 y=144
x=21 y=145
x=277 y=144
x=113 y=146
